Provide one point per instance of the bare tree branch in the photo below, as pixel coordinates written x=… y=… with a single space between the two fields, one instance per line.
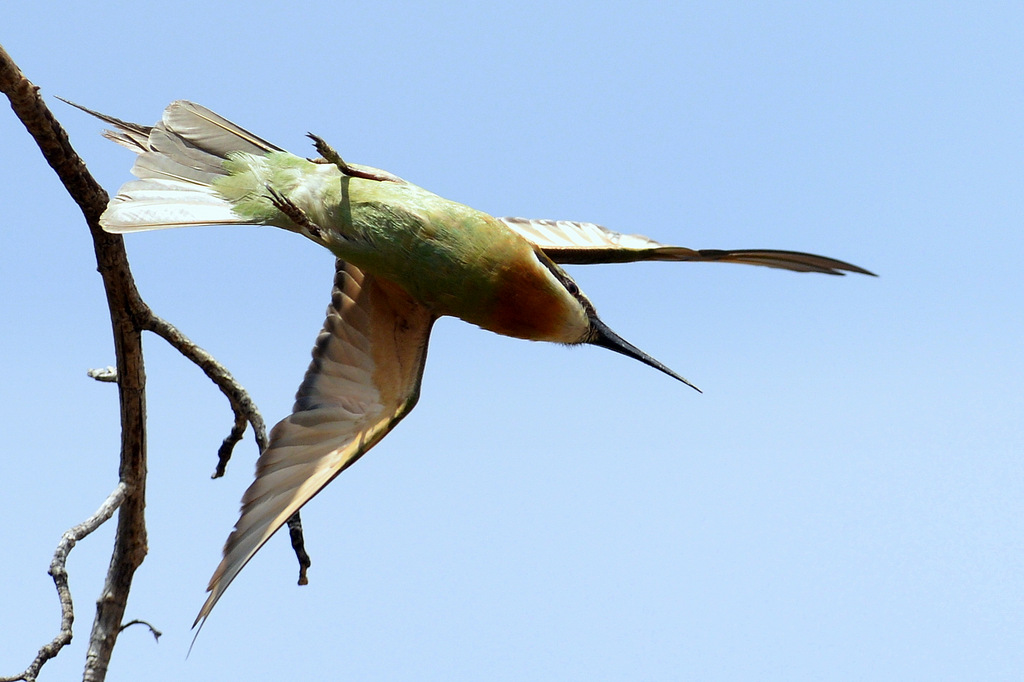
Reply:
x=58 y=569
x=129 y=316
x=123 y=301
x=241 y=403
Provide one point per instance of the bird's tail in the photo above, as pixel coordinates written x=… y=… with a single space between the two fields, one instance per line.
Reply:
x=180 y=158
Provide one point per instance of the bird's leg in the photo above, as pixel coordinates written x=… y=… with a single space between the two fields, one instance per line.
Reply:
x=294 y=213
x=328 y=152
x=331 y=156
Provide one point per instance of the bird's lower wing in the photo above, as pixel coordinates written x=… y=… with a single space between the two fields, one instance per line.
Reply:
x=364 y=377
x=569 y=242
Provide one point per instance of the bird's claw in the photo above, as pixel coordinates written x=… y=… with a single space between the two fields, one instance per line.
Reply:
x=294 y=213
x=331 y=156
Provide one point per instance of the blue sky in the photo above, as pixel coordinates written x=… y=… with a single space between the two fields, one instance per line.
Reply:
x=845 y=501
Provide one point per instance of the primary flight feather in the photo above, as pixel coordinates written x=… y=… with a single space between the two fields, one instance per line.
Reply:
x=405 y=258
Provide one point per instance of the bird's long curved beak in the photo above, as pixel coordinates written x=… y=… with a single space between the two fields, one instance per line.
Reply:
x=603 y=336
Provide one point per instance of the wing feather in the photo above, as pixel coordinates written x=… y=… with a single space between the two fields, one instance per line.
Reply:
x=569 y=242
x=364 y=377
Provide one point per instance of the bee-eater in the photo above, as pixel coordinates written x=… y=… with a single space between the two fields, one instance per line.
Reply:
x=405 y=258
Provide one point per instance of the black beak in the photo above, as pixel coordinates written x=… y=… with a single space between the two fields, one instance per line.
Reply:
x=606 y=338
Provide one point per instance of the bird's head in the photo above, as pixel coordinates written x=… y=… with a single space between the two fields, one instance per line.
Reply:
x=594 y=331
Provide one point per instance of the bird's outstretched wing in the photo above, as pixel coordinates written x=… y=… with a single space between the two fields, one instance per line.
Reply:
x=364 y=377
x=565 y=241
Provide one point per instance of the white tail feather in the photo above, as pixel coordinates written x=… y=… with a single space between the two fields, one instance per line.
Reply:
x=155 y=204
x=179 y=159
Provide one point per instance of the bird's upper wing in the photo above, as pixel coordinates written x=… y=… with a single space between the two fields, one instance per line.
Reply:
x=364 y=377
x=565 y=241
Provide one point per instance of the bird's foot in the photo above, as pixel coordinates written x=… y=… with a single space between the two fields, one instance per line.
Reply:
x=331 y=156
x=294 y=213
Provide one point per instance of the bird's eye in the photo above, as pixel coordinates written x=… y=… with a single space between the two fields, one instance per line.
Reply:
x=571 y=286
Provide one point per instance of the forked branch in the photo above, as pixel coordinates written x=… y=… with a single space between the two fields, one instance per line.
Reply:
x=129 y=316
x=58 y=570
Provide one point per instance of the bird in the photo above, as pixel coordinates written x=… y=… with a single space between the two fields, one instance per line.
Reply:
x=404 y=258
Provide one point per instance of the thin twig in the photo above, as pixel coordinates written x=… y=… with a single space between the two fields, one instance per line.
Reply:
x=241 y=402
x=107 y=374
x=228 y=446
x=58 y=570
x=299 y=546
x=156 y=633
